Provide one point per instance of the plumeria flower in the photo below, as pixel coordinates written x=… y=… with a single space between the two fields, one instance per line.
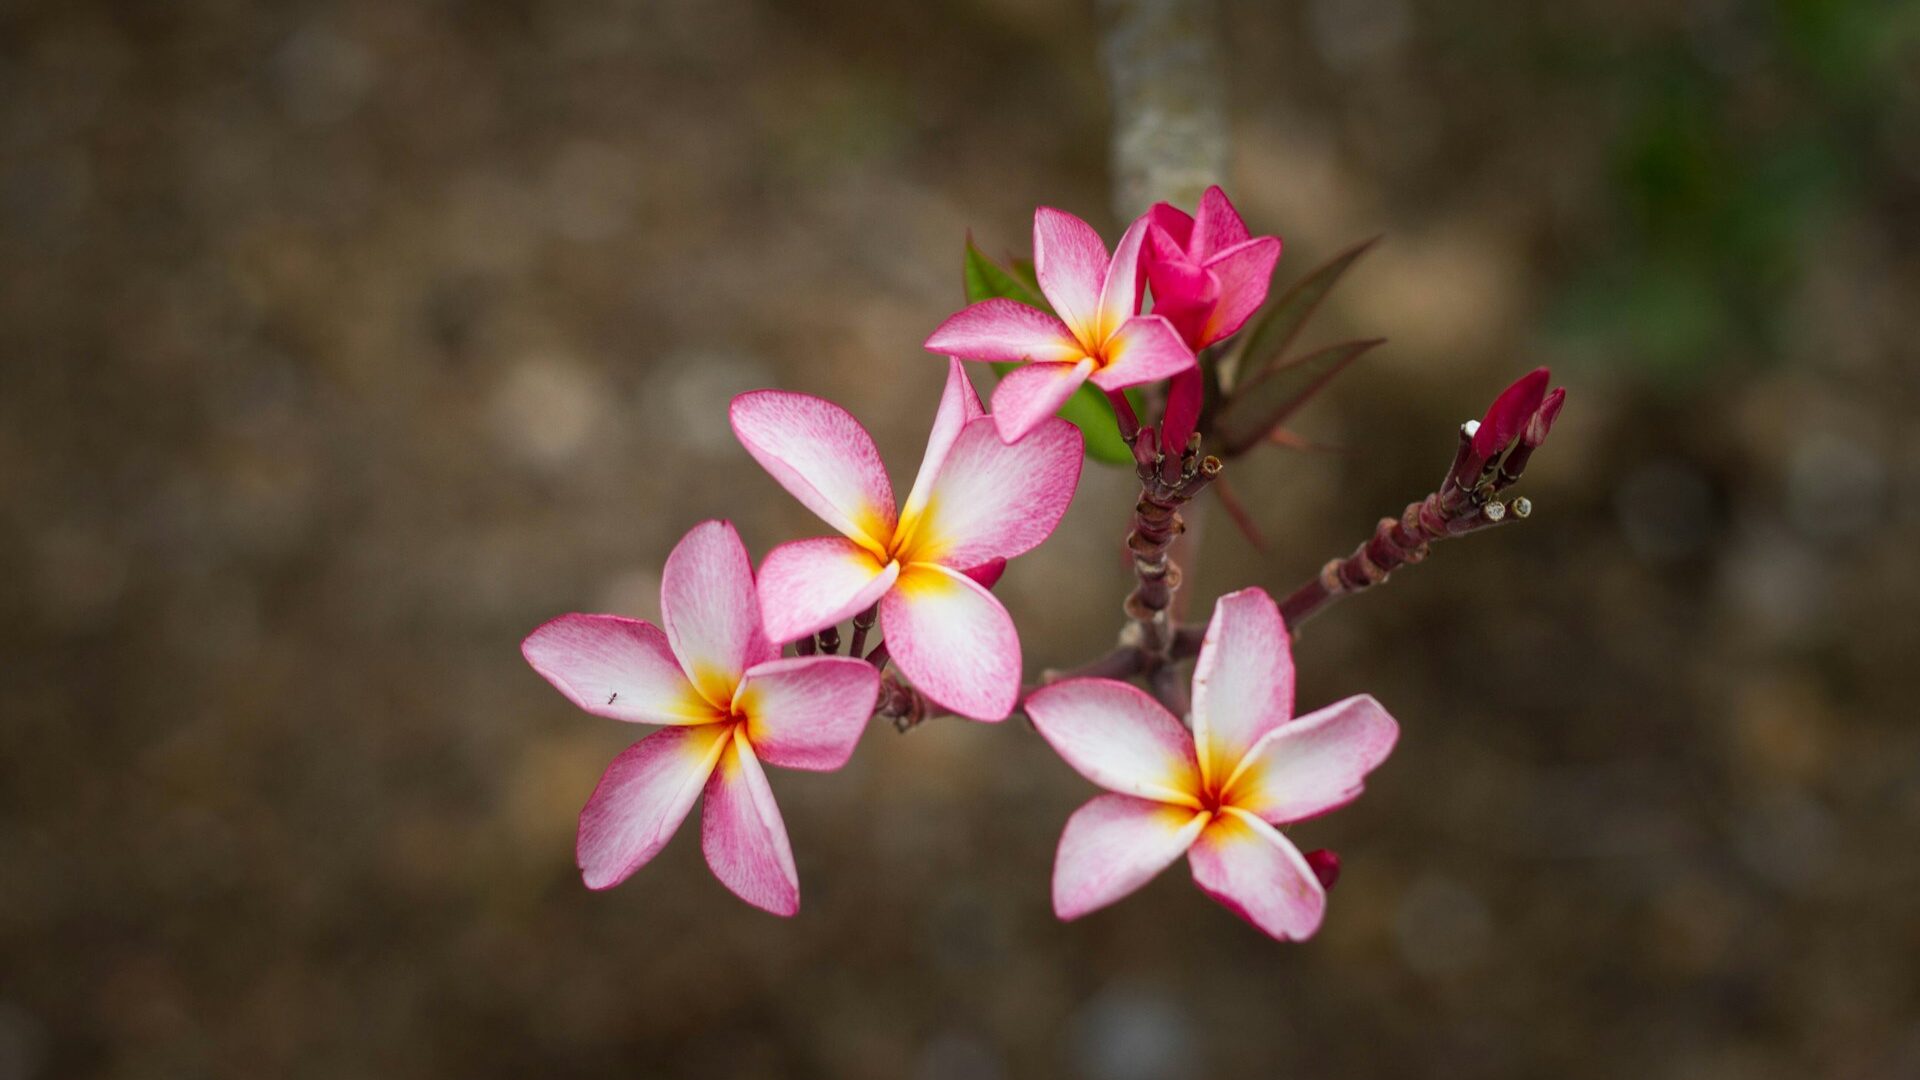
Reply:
x=728 y=701
x=975 y=502
x=1216 y=793
x=1099 y=334
x=1209 y=275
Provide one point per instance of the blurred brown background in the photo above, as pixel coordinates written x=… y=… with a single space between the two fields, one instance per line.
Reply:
x=345 y=342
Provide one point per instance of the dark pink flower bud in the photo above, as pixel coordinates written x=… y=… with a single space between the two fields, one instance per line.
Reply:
x=1543 y=417
x=1509 y=414
x=1326 y=866
x=987 y=573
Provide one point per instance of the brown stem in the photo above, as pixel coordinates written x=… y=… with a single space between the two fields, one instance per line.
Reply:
x=862 y=623
x=1397 y=542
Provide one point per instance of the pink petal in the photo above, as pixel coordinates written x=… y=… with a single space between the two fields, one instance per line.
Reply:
x=1244 y=272
x=642 y=798
x=742 y=834
x=1118 y=737
x=1184 y=292
x=1028 y=396
x=1259 y=875
x=1071 y=263
x=1175 y=222
x=1146 y=349
x=615 y=667
x=807 y=712
x=987 y=573
x=958 y=404
x=822 y=456
x=954 y=640
x=1005 y=330
x=808 y=585
x=1510 y=413
x=1544 y=416
x=1115 y=844
x=1242 y=682
x=712 y=614
x=1216 y=226
x=1120 y=294
x=1317 y=763
x=995 y=500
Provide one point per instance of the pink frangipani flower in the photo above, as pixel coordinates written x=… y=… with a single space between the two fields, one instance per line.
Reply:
x=728 y=702
x=976 y=502
x=1209 y=274
x=1099 y=334
x=1214 y=794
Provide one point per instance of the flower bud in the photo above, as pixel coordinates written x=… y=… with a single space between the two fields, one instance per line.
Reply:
x=1510 y=414
x=1326 y=866
x=1543 y=417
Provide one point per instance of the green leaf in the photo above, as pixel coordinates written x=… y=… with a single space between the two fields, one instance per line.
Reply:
x=1265 y=403
x=1088 y=408
x=1283 y=319
x=988 y=280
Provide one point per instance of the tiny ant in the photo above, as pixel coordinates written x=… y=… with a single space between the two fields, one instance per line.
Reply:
x=611 y=696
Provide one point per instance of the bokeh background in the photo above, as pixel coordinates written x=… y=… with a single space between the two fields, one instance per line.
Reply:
x=342 y=343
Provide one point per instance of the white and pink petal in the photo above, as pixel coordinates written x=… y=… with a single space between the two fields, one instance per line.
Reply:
x=1242 y=682
x=1306 y=767
x=807 y=712
x=1119 y=737
x=1256 y=873
x=1006 y=331
x=1071 y=263
x=711 y=611
x=808 y=585
x=955 y=642
x=1115 y=844
x=822 y=456
x=997 y=500
x=642 y=799
x=1145 y=349
x=741 y=832
x=616 y=667
x=1028 y=396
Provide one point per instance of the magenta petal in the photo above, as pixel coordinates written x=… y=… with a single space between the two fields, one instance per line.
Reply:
x=1306 y=767
x=1216 y=226
x=1508 y=415
x=954 y=640
x=742 y=835
x=1175 y=222
x=1071 y=263
x=710 y=609
x=1242 y=682
x=808 y=585
x=1028 y=396
x=616 y=667
x=987 y=573
x=1115 y=844
x=1544 y=416
x=643 y=797
x=996 y=500
x=807 y=712
x=822 y=456
x=1244 y=272
x=1146 y=349
x=1259 y=875
x=1006 y=331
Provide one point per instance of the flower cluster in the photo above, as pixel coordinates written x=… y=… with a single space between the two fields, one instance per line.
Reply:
x=1214 y=784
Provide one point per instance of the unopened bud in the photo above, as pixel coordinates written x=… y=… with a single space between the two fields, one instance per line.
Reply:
x=1495 y=511
x=1542 y=421
x=1509 y=414
x=1326 y=866
x=1522 y=507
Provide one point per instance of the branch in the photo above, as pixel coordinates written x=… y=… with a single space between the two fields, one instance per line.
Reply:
x=1166 y=78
